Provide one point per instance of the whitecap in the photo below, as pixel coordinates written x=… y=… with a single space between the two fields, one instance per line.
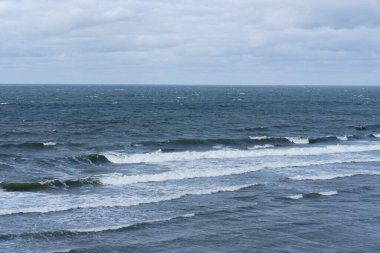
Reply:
x=49 y=143
x=342 y=138
x=296 y=196
x=332 y=176
x=181 y=174
x=328 y=193
x=259 y=137
x=160 y=157
x=298 y=140
x=261 y=146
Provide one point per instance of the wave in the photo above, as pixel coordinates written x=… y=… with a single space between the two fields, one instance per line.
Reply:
x=92 y=159
x=125 y=226
x=196 y=143
x=120 y=179
x=260 y=147
x=76 y=231
x=193 y=142
x=302 y=140
x=332 y=176
x=259 y=138
x=116 y=202
x=160 y=157
x=294 y=140
x=30 y=145
x=375 y=135
x=298 y=140
x=42 y=185
x=312 y=194
x=367 y=127
x=50 y=143
x=250 y=129
x=4 y=103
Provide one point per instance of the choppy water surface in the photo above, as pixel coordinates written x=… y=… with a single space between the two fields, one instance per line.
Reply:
x=189 y=169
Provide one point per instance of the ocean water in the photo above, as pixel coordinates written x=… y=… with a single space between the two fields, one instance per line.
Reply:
x=189 y=169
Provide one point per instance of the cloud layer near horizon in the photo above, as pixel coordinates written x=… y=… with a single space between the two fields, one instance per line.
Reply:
x=190 y=41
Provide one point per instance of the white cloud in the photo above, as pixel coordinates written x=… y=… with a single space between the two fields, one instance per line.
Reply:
x=185 y=41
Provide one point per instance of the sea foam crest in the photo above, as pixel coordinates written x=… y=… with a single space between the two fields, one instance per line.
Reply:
x=342 y=138
x=59 y=203
x=328 y=193
x=261 y=147
x=295 y=196
x=311 y=194
x=159 y=156
x=298 y=140
x=181 y=174
x=124 y=226
x=332 y=176
x=376 y=135
x=259 y=138
x=49 y=143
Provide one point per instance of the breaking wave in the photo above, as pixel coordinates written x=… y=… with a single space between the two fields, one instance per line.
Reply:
x=42 y=185
x=332 y=176
x=115 y=202
x=159 y=156
x=312 y=195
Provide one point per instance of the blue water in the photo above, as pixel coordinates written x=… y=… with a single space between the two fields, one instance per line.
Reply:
x=189 y=169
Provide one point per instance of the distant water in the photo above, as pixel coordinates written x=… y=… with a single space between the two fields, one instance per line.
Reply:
x=189 y=169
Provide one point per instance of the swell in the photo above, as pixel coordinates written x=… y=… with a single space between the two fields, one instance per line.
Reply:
x=91 y=158
x=48 y=184
x=312 y=195
x=29 y=145
x=273 y=140
x=104 y=229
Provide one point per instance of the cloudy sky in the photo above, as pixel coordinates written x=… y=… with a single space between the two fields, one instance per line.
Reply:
x=190 y=41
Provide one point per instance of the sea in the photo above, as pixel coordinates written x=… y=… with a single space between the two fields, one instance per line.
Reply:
x=134 y=168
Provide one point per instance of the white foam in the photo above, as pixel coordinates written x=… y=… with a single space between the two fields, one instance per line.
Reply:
x=261 y=146
x=258 y=137
x=50 y=143
x=99 y=229
x=296 y=196
x=3 y=103
x=117 y=227
x=331 y=176
x=376 y=135
x=328 y=193
x=298 y=140
x=159 y=157
x=189 y=215
x=180 y=174
x=342 y=138
x=45 y=203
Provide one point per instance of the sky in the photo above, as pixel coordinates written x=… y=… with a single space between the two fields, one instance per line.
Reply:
x=257 y=42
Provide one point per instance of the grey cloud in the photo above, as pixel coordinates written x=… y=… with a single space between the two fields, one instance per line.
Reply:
x=181 y=41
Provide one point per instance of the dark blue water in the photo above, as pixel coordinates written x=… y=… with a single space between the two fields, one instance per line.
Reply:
x=189 y=169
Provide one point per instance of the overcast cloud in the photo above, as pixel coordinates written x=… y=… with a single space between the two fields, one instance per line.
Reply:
x=190 y=41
